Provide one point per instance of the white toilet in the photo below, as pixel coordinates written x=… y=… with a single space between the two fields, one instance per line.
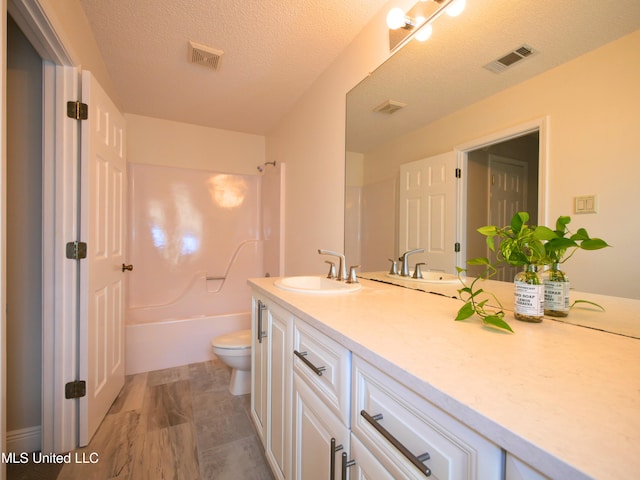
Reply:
x=234 y=349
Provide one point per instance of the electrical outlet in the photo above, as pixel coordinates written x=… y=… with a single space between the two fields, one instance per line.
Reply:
x=586 y=204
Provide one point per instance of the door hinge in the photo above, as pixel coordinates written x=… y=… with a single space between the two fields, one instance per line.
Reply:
x=458 y=173
x=75 y=389
x=456 y=247
x=76 y=250
x=77 y=110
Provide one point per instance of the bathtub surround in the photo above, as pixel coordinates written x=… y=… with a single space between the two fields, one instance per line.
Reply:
x=195 y=236
x=194 y=239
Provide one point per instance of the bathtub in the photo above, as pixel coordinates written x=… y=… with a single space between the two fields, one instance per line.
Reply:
x=172 y=343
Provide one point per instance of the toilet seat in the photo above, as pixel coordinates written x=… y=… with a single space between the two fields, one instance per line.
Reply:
x=240 y=340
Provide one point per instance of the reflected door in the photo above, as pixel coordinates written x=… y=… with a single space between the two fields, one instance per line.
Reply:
x=508 y=179
x=427 y=211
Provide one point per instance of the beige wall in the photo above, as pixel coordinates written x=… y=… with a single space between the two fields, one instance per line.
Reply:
x=592 y=104
x=311 y=141
x=71 y=25
x=174 y=144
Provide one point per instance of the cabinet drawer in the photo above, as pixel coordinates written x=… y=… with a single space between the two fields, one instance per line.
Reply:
x=326 y=366
x=454 y=451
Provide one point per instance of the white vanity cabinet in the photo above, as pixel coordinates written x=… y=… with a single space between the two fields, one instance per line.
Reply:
x=272 y=379
x=413 y=438
x=322 y=383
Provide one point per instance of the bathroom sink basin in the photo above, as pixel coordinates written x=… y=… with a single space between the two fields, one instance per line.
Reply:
x=430 y=277
x=315 y=285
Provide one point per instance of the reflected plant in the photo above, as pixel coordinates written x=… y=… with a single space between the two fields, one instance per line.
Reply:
x=564 y=241
x=519 y=244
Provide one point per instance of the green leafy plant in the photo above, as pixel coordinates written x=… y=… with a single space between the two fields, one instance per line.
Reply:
x=519 y=244
x=565 y=241
x=475 y=298
x=563 y=246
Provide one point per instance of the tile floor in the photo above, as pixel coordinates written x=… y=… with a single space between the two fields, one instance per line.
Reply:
x=179 y=423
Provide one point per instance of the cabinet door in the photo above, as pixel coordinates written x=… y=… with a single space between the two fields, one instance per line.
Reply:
x=314 y=427
x=259 y=368
x=279 y=374
x=365 y=465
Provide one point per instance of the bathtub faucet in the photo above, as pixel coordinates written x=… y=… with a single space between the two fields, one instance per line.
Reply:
x=342 y=267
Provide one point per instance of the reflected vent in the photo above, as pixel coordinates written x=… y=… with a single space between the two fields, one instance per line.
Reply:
x=203 y=55
x=389 y=107
x=511 y=59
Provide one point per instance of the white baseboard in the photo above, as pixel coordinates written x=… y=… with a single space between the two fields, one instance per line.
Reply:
x=24 y=440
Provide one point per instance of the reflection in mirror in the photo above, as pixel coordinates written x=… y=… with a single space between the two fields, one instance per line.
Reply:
x=573 y=100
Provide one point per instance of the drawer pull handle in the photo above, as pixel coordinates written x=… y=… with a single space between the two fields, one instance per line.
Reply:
x=334 y=450
x=301 y=356
x=261 y=308
x=417 y=461
x=346 y=464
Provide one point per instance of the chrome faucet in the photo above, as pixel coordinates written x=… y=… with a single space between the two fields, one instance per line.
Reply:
x=342 y=268
x=404 y=271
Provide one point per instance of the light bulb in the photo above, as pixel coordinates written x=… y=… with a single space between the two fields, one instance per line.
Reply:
x=424 y=33
x=456 y=8
x=396 y=18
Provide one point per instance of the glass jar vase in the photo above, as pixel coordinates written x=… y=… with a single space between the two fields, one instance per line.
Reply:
x=556 y=292
x=529 y=295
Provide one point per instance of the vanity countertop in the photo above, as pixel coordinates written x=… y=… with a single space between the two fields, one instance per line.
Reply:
x=563 y=398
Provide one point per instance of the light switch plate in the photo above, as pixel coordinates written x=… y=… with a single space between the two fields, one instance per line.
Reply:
x=586 y=204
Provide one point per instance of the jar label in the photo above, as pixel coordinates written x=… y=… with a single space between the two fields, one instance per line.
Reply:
x=556 y=296
x=529 y=299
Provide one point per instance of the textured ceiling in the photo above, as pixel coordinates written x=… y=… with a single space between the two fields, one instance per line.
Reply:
x=273 y=52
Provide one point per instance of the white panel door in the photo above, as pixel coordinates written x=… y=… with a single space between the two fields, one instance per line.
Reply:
x=507 y=195
x=427 y=211
x=102 y=221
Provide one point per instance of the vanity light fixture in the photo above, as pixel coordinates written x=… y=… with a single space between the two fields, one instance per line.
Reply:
x=418 y=19
x=456 y=8
x=396 y=18
x=423 y=34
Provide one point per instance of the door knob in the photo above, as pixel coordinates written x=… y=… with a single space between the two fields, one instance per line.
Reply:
x=127 y=267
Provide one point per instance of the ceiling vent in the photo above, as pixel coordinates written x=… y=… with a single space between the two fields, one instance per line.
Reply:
x=510 y=59
x=203 y=55
x=389 y=107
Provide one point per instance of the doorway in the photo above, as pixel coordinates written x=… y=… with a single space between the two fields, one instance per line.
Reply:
x=518 y=159
x=24 y=315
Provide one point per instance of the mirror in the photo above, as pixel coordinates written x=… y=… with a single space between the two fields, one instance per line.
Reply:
x=575 y=89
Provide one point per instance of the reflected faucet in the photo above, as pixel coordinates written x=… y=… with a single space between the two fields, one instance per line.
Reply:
x=342 y=268
x=404 y=271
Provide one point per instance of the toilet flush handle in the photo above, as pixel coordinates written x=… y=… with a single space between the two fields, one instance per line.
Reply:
x=127 y=267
